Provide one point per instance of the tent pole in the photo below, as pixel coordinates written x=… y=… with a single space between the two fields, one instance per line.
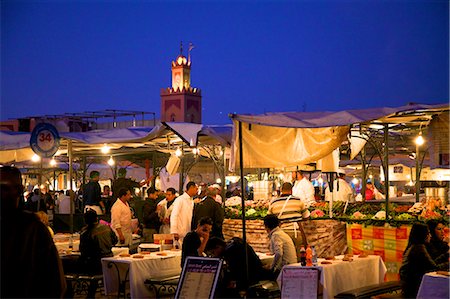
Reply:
x=417 y=174
x=70 y=154
x=244 y=237
x=364 y=169
x=386 y=167
x=222 y=176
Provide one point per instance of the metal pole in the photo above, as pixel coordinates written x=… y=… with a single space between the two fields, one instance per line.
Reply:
x=70 y=154
x=417 y=174
x=182 y=169
x=223 y=175
x=244 y=236
x=386 y=167
x=364 y=169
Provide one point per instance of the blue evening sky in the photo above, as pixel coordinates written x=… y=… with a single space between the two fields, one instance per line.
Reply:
x=249 y=57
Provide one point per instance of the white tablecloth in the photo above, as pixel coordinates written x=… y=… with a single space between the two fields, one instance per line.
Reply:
x=434 y=286
x=343 y=276
x=152 y=265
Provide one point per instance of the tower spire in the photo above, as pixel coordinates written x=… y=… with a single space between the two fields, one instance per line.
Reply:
x=181 y=47
x=191 y=46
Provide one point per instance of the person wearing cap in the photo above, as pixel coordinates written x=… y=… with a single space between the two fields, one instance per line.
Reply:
x=303 y=188
x=218 y=196
x=150 y=215
x=92 y=194
x=342 y=191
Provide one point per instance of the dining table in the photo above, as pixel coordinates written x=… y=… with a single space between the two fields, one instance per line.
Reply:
x=342 y=273
x=125 y=269
x=434 y=285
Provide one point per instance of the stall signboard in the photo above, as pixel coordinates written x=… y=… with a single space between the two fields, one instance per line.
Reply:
x=199 y=277
x=44 y=140
x=300 y=282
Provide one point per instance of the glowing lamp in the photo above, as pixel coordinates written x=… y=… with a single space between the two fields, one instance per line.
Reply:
x=105 y=149
x=111 y=161
x=53 y=162
x=419 y=140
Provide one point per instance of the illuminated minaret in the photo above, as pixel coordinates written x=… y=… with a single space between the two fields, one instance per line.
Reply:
x=181 y=102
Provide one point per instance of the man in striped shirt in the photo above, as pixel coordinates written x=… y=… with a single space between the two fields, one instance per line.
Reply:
x=290 y=210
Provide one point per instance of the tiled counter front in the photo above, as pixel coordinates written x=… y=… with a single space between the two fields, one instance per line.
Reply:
x=329 y=236
x=387 y=242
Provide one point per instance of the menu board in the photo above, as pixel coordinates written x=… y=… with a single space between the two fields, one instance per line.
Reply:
x=199 y=278
x=299 y=282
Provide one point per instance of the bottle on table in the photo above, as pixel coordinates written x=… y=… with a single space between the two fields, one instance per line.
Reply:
x=314 y=256
x=303 y=255
x=176 y=243
x=309 y=256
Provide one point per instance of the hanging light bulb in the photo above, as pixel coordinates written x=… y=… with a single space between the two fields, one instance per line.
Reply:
x=195 y=151
x=419 y=139
x=105 y=149
x=53 y=162
x=178 y=152
x=35 y=158
x=111 y=161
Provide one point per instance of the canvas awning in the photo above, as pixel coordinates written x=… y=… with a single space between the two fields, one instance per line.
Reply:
x=288 y=139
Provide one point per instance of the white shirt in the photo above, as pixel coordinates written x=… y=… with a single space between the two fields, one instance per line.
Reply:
x=343 y=194
x=304 y=190
x=164 y=213
x=181 y=217
x=121 y=217
x=282 y=246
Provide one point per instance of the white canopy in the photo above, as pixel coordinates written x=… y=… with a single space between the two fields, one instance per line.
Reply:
x=15 y=146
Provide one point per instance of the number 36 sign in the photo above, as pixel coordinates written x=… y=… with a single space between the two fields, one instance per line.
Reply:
x=44 y=140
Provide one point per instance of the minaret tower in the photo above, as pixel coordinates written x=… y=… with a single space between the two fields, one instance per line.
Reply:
x=181 y=102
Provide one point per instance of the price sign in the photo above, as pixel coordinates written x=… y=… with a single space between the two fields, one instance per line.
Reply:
x=44 y=140
x=199 y=278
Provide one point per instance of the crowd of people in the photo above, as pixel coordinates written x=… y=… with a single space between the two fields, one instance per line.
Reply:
x=194 y=219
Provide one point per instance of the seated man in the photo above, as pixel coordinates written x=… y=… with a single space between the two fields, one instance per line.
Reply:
x=280 y=245
x=289 y=209
x=194 y=242
x=96 y=242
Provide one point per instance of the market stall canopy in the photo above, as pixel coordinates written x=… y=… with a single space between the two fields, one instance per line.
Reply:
x=15 y=146
x=287 y=139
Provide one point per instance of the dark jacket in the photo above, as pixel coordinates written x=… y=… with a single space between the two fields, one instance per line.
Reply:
x=150 y=217
x=209 y=208
x=30 y=264
x=96 y=242
x=191 y=243
x=416 y=262
x=92 y=194
x=438 y=250
x=123 y=183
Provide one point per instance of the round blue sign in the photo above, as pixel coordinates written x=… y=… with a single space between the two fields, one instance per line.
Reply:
x=44 y=140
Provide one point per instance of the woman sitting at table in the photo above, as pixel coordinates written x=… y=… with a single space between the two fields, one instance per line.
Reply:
x=416 y=260
x=437 y=248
